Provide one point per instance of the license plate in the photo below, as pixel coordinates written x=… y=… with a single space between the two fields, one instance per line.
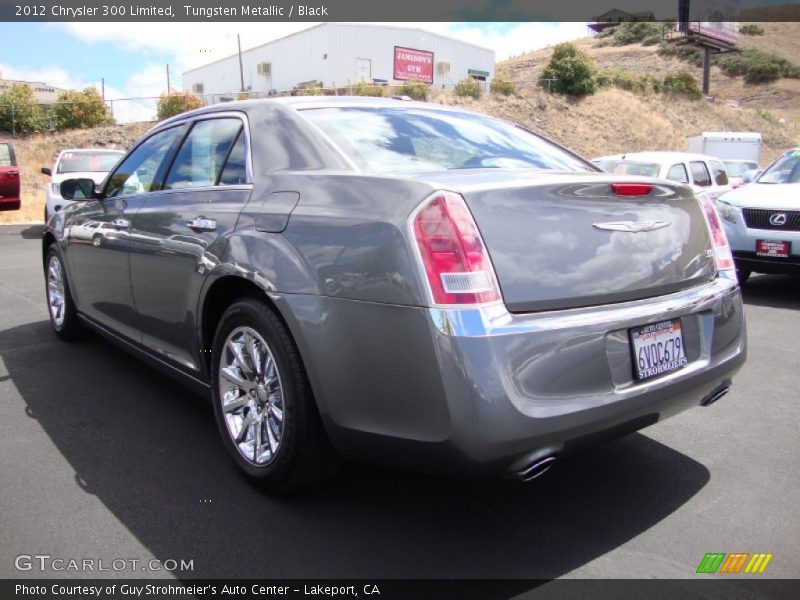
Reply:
x=773 y=248
x=657 y=349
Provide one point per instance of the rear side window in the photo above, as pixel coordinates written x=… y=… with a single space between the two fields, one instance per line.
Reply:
x=700 y=173
x=234 y=172
x=142 y=169
x=678 y=173
x=720 y=176
x=7 y=158
x=626 y=167
x=202 y=154
x=411 y=140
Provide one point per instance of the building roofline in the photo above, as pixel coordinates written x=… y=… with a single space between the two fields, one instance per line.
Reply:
x=447 y=37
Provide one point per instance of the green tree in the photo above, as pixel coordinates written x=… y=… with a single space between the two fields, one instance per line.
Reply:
x=468 y=88
x=19 y=112
x=176 y=103
x=81 y=110
x=571 y=70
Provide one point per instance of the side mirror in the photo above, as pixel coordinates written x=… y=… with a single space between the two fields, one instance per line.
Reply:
x=142 y=171
x=77 y=189
x=47 y=171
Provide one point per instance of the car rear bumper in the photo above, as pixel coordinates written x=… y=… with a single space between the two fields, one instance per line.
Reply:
x=482 y=391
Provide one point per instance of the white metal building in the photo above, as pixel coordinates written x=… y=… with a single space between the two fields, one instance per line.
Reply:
x=341 y=54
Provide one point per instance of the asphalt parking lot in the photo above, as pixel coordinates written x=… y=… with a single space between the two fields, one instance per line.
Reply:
x=105 y=458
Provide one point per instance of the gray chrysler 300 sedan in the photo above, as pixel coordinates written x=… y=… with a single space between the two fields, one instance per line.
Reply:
x=398 y=282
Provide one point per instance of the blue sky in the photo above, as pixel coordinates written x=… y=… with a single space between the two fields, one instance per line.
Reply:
x=132 y=56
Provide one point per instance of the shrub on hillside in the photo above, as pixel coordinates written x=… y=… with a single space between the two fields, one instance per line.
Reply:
x=619 y=79
x=362 y=88
x=19 y=112
x=639 y=32
x=756 y=66
x=81 y=110
x=176 y=103
x=503 y=87
x=572 y=71
x=751 y=29
x=414 y=89
x=468 y=88
x=685 y=53
x=682 y=83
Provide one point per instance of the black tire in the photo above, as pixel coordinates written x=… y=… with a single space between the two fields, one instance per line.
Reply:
x=304 y=457
x=97 y=240
x=70 y=328
x=742 y=275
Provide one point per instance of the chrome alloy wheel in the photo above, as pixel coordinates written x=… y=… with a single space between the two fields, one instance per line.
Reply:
x=251 y=394
x=55 y=291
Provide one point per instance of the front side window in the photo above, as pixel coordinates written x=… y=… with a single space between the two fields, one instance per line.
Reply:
x=6 y=156
x=720 y=175
x=203 y=154
x=678 y=173
x=410 y=140
x=140 y=172
x=700 y=173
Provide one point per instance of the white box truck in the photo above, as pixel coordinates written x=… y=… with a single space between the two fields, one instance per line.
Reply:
x=731 y=145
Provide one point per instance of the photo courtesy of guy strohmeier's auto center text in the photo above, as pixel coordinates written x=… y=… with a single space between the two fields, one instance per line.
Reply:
x=480 y=299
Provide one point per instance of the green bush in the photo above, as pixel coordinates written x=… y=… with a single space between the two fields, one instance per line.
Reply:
x=682 y=83
x=572 y=71
x=311 y=89
x=81 y=110
x=468 y=88
x=619 y=79
x=685 y=53
x=639 y=32
x=751 y=29
x=362 y=88
x=416 y=90
x=503 y=87
x=651 y=83
x=19 y=112
x=176 y=103
x=756 y=66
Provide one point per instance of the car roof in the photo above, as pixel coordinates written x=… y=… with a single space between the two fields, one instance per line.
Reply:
x=657 y=156
x=86 y=150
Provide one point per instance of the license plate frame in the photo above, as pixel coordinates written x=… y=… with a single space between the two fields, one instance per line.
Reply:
x=772 y=248
x=657 y=349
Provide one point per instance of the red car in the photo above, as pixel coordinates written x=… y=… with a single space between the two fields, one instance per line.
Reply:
x=9 y=177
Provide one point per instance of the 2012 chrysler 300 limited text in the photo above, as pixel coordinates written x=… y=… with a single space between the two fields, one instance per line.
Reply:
x=398 y=282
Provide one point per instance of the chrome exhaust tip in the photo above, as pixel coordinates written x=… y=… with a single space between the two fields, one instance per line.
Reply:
x=534 y=470
x=715 y=394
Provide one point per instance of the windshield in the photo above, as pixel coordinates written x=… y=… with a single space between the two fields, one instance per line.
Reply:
x=627 y=167
x=784 y=170
x=100 y=161
x=738 y=169
x=412 y=140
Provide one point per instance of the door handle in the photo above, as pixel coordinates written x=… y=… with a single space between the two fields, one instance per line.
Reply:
x=121 y=223
x=13 y=172
x=202 y=224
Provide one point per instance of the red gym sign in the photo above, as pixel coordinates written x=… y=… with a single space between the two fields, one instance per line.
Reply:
x=413 y=64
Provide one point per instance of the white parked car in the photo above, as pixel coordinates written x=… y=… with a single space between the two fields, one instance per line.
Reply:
x=762 y=220
x=738 y=169
x=76 y=163
x=703 y=173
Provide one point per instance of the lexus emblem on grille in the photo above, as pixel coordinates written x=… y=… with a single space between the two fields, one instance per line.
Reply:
x=633 y=226
x=778 y=219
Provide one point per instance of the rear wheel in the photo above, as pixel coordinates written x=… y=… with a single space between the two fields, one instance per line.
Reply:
x=263 y=404
x=63 y=316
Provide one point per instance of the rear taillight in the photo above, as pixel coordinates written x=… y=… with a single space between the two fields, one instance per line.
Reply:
x=632 y=189
x=723 y=257
x=453 y=254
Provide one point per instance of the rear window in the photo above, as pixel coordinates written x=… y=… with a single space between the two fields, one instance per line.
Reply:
x=76 y=162
x=738 y=169
x=627 y=167
x=394 y=140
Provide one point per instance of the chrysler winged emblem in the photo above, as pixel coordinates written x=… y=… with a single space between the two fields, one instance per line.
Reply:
x=632 y=226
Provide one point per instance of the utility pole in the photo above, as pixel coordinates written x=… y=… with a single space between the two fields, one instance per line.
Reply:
x=241 y=69
x=103 y=87
x=168 y=86
x=706 y=70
